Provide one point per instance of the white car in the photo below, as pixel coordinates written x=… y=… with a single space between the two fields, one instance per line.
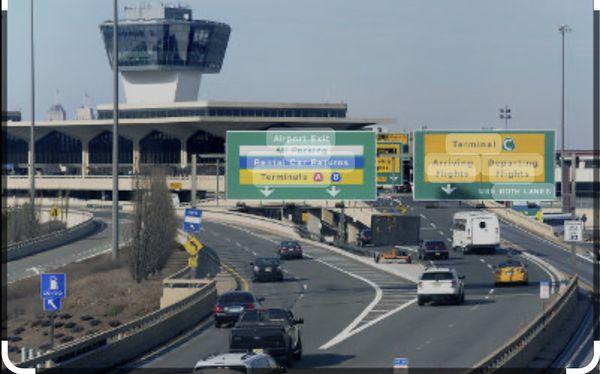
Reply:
x=440 y=284
x=236 y=363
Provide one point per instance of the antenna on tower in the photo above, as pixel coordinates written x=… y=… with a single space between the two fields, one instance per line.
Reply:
x=56 y=96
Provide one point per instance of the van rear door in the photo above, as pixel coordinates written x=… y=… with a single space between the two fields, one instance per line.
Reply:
x=485 y=231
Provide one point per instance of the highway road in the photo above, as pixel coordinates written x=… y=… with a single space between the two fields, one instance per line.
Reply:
x=357 y=316
x=92 y=245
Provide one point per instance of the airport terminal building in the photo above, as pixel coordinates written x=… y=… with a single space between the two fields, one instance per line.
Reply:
x=163 y=53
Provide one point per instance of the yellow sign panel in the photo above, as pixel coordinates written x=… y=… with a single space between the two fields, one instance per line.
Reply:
x=388 y=165
x=304 y=217
x=54 y=212
x=494 y=158
x=192 y=246
x=301 y=177
x=393 y=138
x=175 y=186
x=193 y=262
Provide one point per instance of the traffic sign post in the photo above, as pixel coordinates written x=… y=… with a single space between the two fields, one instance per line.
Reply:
x=484 y=165
x=301 y=165
x=573 y=231
x=53 y=288
x=192 y=220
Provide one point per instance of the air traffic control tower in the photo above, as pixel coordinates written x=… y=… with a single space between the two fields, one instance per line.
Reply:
x=163 y=53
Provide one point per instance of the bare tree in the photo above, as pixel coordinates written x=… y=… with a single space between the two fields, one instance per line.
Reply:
x=154 y=228
x=21 y=223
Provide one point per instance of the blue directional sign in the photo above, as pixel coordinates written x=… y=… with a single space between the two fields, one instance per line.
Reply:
x=400 y=363
x=53 y=286
x=52 y=305
x=192 y=220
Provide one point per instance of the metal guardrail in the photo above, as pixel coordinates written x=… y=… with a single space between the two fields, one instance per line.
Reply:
x=87 y=344
x=503 y=355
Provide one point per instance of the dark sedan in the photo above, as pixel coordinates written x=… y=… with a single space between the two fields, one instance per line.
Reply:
x=433 y=250
x=289 y=249
x=267 y=269
x=231 y=305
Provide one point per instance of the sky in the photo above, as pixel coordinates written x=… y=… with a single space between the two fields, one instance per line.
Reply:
x=436 y=63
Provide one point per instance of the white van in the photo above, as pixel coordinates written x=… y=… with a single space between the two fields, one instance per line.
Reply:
x=475 y=230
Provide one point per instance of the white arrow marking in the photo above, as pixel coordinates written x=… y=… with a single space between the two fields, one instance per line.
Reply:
x=394 y=178
x=267 y=191
x=448 y=189
x=333 y=191
x=51 y=303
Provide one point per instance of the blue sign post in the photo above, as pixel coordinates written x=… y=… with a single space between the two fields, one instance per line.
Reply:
x=53 y=288
x=192 y=220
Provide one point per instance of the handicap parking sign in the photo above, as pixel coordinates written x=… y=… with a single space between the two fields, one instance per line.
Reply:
x=53 y=286
x=52 y=305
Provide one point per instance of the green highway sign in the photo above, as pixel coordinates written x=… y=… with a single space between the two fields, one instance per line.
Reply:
x=484 y=165
x=301 y=165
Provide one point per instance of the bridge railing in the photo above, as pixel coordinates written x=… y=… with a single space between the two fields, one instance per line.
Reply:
x=507 y=356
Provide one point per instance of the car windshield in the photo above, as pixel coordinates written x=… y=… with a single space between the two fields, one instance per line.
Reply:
x=274 y=315
x=289 y=244
x=267 y=261
x=510 y=264
x=221 y=370
x=237 y=297
x=440 y=275
x=435 y=246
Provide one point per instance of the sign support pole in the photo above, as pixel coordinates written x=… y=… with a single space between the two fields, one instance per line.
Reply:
x=52 y=314
x=218 y=173
x=194 y=179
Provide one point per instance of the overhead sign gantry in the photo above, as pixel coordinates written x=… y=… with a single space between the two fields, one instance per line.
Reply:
x=301 y=165
x=484 y=165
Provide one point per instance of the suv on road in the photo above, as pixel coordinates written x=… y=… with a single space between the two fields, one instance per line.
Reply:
x=440 y=284
x=274 y=331
x=365 y=237
x=433 y=250
x=247 y=363
x=230 y=306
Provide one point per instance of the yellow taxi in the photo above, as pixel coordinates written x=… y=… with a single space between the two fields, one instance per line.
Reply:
x=510 y=272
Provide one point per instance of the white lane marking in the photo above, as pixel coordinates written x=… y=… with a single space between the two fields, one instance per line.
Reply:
x=482 y=260
x=433 y=225
x=441 y=232
x=238 y=244
x=490 y=266
x=431 y=263
x=487 y=297
x=543 y=265
x=474 y=307
x=491 y=291
x=305 y=286
x=347 y=332
x=423 y=216
x=254 y=253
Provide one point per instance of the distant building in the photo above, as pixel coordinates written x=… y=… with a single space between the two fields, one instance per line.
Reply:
x=11 y=115
x=84 y=113
x=56 y=113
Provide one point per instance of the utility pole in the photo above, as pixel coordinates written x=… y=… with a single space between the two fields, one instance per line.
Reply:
x=32 y=128
x=563 y=29
x=218 y=177
x=115 y=153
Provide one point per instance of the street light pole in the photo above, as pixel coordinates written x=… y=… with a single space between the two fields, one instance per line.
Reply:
x=563 y=29
x=31 y=129
x=505 y=115
x=115 y=153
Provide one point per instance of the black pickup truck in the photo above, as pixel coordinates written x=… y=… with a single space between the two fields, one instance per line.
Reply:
x=273 y=331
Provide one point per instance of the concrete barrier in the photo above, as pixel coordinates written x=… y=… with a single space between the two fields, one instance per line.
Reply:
x=51 y=240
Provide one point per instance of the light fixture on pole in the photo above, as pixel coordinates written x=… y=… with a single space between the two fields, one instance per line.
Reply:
x=563 y=29
x=505 y=114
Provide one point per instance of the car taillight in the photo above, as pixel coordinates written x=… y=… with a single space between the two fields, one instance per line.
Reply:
x=218 y=308
x=249 y=306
